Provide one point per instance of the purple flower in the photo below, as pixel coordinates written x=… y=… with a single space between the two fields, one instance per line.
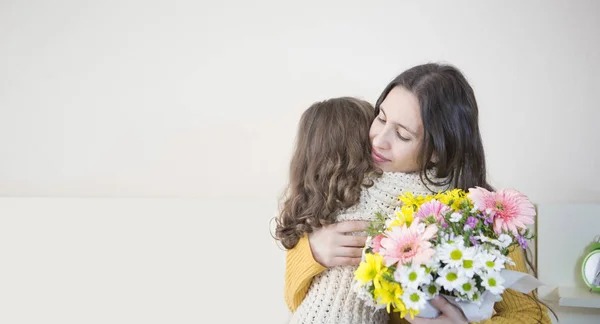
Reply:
x=488 y=221
x=471 y=222
x=522 y=241
x=445 y=225
x=473 y=240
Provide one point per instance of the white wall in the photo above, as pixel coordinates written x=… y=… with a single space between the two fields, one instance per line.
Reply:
x=190 y=98
x=152 y=260
x=159 y=99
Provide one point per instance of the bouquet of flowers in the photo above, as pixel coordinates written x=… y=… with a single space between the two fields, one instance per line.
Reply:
x=453 y=244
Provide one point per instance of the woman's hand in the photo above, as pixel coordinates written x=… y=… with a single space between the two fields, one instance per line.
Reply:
x=331 y=246
x=449 y=314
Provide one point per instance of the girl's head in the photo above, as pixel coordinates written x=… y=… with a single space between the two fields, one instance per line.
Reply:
x=329 y=165
x=427 y=117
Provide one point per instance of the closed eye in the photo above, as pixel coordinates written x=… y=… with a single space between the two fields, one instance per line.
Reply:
x=402 y=137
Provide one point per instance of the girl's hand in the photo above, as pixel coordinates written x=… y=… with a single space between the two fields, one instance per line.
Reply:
x=331 y=246
x=449 y=314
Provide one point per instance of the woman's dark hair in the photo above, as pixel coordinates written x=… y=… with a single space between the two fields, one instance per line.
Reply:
x=450 y=122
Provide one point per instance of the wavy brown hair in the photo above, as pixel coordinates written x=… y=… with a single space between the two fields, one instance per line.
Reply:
x=331 y=163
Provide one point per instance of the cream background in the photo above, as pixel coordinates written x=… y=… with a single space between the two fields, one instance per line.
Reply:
x=160 y=131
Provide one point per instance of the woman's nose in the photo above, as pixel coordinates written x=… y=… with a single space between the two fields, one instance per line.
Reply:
x=380 y=141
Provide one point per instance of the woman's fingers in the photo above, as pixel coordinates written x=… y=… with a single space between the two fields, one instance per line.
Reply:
x=351 y=226
x=352 y=252
x=351 y=241
x=340 y=261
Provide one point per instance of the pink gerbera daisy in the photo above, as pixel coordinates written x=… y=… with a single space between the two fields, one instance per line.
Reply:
x=434 y=209
x=404 y=245
x=510 y=209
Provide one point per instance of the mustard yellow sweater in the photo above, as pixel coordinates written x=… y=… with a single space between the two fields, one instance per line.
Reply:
x=515 y=307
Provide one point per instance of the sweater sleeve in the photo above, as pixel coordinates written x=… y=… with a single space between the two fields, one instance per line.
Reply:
x=517 y=307
x=300 y=269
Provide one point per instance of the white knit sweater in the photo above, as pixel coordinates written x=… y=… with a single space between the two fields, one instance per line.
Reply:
x=330 y=298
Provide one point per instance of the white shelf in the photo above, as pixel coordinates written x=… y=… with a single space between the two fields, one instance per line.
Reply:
x=578 y=297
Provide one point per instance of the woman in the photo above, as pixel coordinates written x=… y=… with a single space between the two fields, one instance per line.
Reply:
x=427 y=119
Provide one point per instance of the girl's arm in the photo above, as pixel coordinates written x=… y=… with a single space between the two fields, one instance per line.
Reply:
x=327 y=247
x=300 y=268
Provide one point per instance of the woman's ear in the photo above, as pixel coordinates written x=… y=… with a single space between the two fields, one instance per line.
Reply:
x=434 y=158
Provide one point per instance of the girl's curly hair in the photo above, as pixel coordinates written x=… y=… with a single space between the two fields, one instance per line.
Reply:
x=331 y=163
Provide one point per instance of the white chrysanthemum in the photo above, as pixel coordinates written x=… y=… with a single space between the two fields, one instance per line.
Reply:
x=456 y=217
x=453 y=254
x=412 y=277
x=468 y=288
x=446 y=237
x=504 y=241
x=451 y=278
x=434 y=264
x=414 y=299
x=501 y=258
x=492 y=282
x=469 y=264
x=431 y=290
x=483 y=238
x=488 y=262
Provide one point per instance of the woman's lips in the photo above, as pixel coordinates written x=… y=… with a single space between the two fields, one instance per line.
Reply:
x=378 y=157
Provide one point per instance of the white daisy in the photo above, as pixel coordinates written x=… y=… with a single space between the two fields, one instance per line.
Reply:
x=447 y=237
x=453 y=254
x=508 y=260
x=501 y=258
x=434 y=264
x=468 y=263
x=431 y=290
x=468 y=288
x=488 y=262
x=504 y=241
x=412 y=276
x=414 y=299
x=451 y=278
x=492 y=282
x=456 y=217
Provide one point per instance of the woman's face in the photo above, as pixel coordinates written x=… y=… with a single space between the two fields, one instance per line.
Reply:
x=397 y=132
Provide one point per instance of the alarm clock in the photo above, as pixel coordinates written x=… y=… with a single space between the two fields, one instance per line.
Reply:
x=590 y=269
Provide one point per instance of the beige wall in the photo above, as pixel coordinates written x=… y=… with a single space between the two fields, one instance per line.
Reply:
x=176 y=98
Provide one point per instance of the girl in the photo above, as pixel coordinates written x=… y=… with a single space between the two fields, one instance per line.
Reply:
x=426 y=125
x=332 y=178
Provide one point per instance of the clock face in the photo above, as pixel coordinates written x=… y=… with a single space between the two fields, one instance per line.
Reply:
x=591 y=270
